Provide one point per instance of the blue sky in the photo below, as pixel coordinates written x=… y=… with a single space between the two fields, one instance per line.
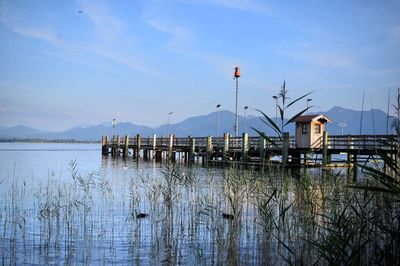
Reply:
x=65 y=63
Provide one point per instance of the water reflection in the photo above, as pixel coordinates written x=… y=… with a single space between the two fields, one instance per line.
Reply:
x=127 y=211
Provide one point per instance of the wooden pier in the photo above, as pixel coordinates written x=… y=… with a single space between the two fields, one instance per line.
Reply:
x=253 y=149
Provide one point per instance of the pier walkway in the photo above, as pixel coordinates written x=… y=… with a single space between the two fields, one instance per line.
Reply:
x=251 y=149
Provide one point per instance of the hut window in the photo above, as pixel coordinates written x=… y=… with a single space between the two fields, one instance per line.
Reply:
x=304 y=128
x=317 y=129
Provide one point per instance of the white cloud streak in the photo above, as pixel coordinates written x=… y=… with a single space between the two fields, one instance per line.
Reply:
x=46 y=35
x=108 y=27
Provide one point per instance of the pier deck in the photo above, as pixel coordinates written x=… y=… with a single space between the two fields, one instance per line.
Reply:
x=247 y=148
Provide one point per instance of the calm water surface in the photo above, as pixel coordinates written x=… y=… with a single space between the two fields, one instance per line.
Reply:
x=68 y=204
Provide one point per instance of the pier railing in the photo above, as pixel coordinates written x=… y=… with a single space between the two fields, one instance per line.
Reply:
x=362 y=142
x=334 y=142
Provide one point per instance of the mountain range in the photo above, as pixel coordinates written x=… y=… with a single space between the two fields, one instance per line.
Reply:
x=374 y=122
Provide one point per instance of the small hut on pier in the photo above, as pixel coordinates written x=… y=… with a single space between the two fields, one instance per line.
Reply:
x=309 y=130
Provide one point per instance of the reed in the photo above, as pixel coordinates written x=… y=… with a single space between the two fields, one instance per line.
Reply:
x=185 y=215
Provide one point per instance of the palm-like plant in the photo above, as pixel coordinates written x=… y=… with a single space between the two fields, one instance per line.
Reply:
x=283 y=106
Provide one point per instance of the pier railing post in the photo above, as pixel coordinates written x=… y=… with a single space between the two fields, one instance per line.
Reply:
x=209 y=148
x=285 y=148
x=170 y=146
x=118 y=145
x=107 y=144
x=103 y=145
x=226 y=143
x=245 y=146
x=138 y=146
x=192 y=149
x=125 y=154
x=262 y=149
x=324 y=148
x=113 y=145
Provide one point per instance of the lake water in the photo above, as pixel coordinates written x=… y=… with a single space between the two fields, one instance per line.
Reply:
x=68 y=204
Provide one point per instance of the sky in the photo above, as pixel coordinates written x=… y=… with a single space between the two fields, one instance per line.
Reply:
x=70 y=63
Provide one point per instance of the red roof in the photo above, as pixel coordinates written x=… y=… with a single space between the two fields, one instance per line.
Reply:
x=309 y=118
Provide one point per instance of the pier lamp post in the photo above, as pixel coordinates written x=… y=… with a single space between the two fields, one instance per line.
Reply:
x=236 y=76
x=342 y=125
x=113 y=123
x=245 y=118
x=216 y=119
x=308 y=100
x=169 y=114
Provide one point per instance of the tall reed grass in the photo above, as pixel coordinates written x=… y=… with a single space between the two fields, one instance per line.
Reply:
x=186 y=215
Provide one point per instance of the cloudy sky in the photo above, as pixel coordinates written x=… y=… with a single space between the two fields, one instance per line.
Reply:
x=66 y=63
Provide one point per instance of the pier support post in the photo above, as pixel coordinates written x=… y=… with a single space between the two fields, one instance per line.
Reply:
x=158 y=155
x=245 y=146
x=209 y=148
x=138 y=147
x=192 y=149
x=113 y=145
x=170 y=147
x=107 y=142
x=226 y=143
x=103 y=145
x=152 y=153
x=262 y=145
x=325 y=158
x=285 y=148
x=118 y=145
x=126 y=147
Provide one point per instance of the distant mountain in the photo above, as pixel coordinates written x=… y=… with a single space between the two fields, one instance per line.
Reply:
x=374 y=122
x=20 y=132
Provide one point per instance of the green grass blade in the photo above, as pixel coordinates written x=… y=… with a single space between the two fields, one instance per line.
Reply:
x=293 y=102
x=266 y=137
x=270 y=122
x=297 y=115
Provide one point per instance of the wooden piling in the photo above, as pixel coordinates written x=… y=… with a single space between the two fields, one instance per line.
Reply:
x=262 y=145
x=192 y=149
x=114 y=146
x=107 y=140
x=324 y=148
x=118 y=145
x=103 y=145
x=138 y=146
x=158 y=155
x=245 y=146
x=126 y=147
x=170 y=147
x=209 y=147
x=226 y=143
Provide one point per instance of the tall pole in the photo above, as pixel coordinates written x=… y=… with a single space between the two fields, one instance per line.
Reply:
x=216 y=120
x=114 y=123
x=308 y=100
x=342 y=125
x=387 y=114
x=245 y=118
x=169 y=114
x=236 y=76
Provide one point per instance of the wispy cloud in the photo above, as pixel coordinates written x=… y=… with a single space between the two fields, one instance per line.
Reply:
x=179 y=35
x=129 y=61
x=44 y=34
x=320 y=58
x=108 y=27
